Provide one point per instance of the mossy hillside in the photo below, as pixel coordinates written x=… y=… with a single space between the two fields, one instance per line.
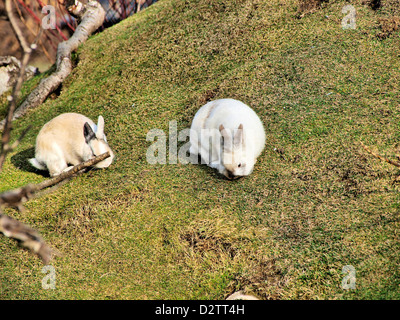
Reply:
x=314 y=203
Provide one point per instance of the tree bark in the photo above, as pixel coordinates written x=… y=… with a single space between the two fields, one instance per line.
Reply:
x=27 y=236
x=92 y=17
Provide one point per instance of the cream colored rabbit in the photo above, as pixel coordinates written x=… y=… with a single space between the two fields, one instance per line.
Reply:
x=70 y=139
x=242 y=133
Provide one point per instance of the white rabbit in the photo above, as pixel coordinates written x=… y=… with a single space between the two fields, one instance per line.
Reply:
x=242 y=132
x=70 y=139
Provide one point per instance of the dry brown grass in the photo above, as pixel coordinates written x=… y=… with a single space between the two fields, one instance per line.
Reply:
x=388 y=26
x=308 y=6
x=391 y=6
x=220 y=244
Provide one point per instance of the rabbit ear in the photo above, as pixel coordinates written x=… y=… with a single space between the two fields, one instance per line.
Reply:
x=227 y=139
x=238 y=139
x=88 y=132
x=224 y=132
x=100 y=128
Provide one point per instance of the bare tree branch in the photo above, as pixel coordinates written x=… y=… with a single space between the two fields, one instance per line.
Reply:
x=28 y=237
x=10 y=227
x=13 y=20
x=17 y=197
x=92 y=17
x=5 y=139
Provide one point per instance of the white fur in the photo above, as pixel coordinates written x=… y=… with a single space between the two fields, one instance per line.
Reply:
x=61 y=142
x=237 y=156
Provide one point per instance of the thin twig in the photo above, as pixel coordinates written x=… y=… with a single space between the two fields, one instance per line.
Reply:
x=394 y=163
x=17 y=197
x=15 y=27
x=28 y=237
x=5 y=139
x=92 y=17
x=71 y=172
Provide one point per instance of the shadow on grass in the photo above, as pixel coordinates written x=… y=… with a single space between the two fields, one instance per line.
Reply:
x=215 y=173
x=20 y=161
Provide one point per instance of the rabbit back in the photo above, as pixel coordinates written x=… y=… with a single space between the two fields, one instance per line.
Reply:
x=230 y=113
x=61 y=142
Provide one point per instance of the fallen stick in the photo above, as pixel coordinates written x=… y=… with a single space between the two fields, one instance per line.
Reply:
x=17 y=197
x=394 y=163
x=71 y=172
x=27 y=236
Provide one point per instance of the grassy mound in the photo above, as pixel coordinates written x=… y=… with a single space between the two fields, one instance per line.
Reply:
x=315 y=202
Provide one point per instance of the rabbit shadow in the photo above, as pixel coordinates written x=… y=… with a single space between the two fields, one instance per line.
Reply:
x=211 y=171
x=20 y=161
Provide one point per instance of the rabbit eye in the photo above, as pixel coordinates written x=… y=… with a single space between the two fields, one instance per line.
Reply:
x=239 y=165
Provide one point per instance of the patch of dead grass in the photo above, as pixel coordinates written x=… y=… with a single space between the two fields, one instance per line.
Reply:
x=219 y=243
x=388 y=26
x=261 y=277
x=308 y=6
